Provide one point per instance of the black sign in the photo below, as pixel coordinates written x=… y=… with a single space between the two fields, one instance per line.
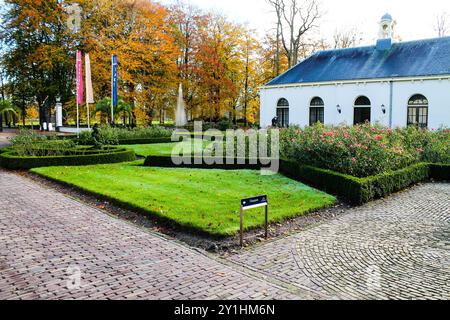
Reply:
x=253 y=201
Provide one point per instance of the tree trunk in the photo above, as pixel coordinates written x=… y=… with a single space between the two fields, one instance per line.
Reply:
x=277 y=55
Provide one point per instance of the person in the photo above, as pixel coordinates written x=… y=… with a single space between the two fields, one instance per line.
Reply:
x=275 y=122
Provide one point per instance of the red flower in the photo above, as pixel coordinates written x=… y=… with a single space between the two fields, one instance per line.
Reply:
x=379 y=138
x=325 y=134
x=331 y=134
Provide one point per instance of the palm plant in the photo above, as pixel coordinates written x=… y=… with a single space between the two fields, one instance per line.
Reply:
x=104 y=107
x=7 y=112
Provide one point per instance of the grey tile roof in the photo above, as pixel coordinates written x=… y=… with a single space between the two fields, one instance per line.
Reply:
x=430 y=57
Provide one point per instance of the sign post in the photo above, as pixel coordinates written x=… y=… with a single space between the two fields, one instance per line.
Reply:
x=253 y=203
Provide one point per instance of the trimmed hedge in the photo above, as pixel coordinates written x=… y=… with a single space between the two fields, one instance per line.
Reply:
x=134 y=141
x=166 y=162
x=440 y=172
x=353 y=189
x=9 y=160
x=145 y=141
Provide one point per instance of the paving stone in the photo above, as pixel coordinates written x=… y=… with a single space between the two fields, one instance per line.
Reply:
x=43 y=233
x=397 y=248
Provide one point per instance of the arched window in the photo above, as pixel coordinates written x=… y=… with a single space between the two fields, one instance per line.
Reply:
x=283 y=103
x=418 y=111
x=316 y=111
x=362 y=101
x=283 y=113
x=362 y=110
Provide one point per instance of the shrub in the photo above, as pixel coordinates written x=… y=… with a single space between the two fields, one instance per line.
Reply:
x=27 y=143
x=363 y=150
x=224 y=124
x=115 y=136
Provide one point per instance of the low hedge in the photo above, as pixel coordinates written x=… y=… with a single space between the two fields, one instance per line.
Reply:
x=145 y=141
x=353 y=189
x=166 y=162
x=440 y=172
x=9 y=160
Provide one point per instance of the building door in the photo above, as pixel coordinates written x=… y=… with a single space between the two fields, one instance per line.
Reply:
x=316 y=111
x=418 y=111
x=283 y=113
x=283 y=117
x=362 y=111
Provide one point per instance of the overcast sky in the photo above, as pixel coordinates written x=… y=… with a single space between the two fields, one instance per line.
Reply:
x=415 y=18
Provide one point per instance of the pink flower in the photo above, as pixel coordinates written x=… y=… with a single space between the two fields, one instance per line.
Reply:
x=353 y=159
x=331 y=134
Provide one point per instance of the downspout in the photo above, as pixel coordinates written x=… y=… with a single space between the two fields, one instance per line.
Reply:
x=391 y=101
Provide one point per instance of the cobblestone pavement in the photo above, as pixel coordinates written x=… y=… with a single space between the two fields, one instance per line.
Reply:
x=397 y=248
x=45 y=236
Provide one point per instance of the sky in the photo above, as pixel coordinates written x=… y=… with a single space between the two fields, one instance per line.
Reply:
x=415 y=18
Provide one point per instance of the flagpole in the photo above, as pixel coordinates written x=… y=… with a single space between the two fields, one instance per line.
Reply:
x=88 y=115
x=89 y=90
x=78 y=120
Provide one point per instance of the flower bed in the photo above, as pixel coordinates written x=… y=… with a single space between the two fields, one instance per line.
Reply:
x=363 y=151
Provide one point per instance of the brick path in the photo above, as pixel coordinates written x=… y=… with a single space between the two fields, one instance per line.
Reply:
x=43 y=233
x=396 y=248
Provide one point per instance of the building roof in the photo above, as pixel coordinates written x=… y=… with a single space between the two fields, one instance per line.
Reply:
x=421 y=58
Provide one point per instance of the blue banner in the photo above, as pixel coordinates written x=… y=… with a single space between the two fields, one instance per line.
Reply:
x=115 y=82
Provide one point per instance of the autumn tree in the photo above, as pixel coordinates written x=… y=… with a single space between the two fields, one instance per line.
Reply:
x=37 y=57
x=139 y=33
x=188 y=23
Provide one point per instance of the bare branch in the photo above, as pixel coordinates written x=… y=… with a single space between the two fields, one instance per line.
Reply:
x=296 y=18
x=442 y=26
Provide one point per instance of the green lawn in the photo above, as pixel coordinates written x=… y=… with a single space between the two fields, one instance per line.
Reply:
x=206 y=200
x=159 y=149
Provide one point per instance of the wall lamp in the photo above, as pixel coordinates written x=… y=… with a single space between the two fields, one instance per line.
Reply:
x=383 y=108
x=339 y=109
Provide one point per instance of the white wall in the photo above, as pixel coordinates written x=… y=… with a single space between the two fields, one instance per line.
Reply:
x=437 y=92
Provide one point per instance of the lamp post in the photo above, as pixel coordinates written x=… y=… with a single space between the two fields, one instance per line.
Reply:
x=58 y=112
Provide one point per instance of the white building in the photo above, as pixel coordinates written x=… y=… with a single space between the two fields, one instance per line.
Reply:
x=393 y=84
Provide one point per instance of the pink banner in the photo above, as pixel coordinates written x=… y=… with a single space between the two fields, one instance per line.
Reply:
x=79 y=70
x=87 y=72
